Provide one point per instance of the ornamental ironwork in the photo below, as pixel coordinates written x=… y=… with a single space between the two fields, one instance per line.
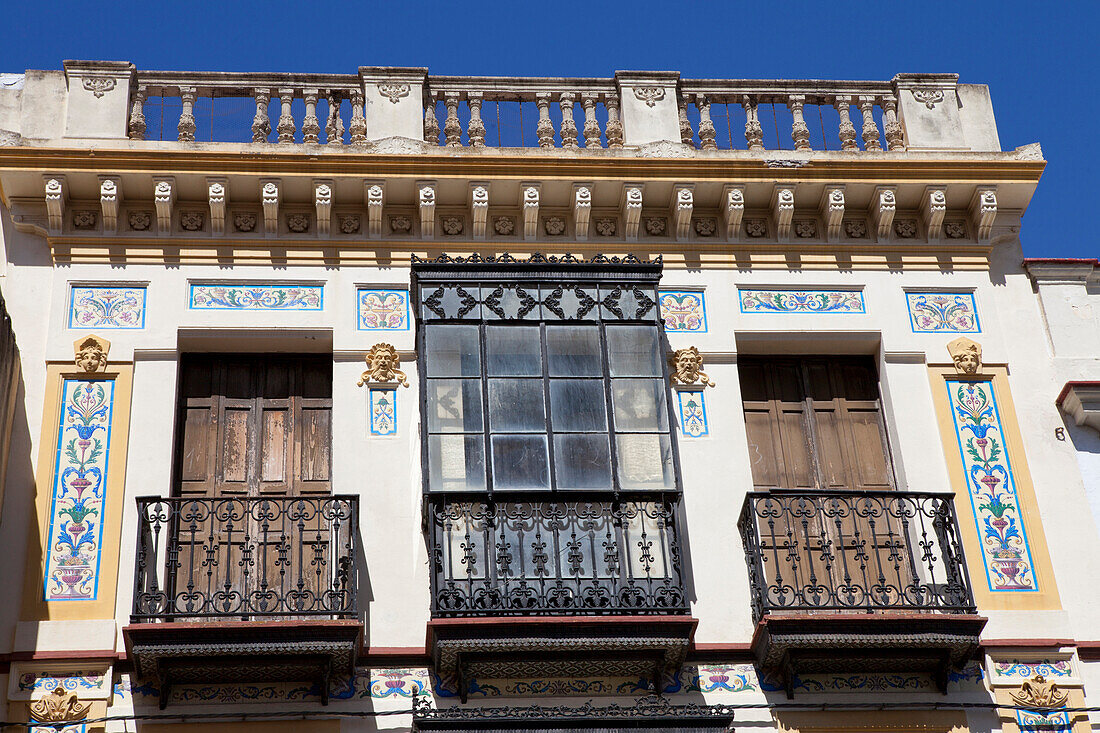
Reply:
x=246 y=557
x=846 y=550
x=653 y=708
x=555 y=557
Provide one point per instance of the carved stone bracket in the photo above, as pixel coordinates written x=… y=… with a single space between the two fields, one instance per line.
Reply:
x=983 y=210
x=164 y=197
x=374 y=192
x=383 y=367
x=682 y=204
x=884 y=204
x=529 y=200
x=733 y=208
x=426 y=198
x=783 y=210
x=56 y=193
x=631 y=208
x=479 y=208
x=582 y=209
x=832 y=210
x=933 y=208
x=1039 y=693
x=217 y=191
x=269 y=195
x=323 y=193
x=686 y=367
x=60 y=706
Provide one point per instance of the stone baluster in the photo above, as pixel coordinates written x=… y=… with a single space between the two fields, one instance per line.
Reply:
x=614 y=124
x=708 y=136
x=687 y=135
x=334 y=126
x=431 y=125
x=311 y=126
x=358 y=124
x=754 y=133
x=451 y=126
x=476 y=129
x=137 y=115
x=895 y=138
x=800 y=132
x=261 y=123
x=568 y=126
x=187 y=115
x=870 y=129
x=545 y=128
x=285 y=128
x=591 y=124
x=846 y=131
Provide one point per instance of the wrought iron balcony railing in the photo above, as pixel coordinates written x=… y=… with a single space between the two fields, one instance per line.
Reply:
x=555 y=558
x=242 y=557
x=854 y=550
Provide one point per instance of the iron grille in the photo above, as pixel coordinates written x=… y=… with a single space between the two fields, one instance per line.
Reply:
x=854 y=550
x=246 y=557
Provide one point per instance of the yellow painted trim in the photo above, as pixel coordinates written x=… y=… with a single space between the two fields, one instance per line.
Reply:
x=872 y=721
x=34 y=608
x=254 y=726
x=1047 y=597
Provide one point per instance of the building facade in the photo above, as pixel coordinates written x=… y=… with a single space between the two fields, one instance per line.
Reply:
x=399 y=401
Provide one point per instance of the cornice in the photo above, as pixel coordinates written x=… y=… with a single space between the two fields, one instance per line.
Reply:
x=596 y=166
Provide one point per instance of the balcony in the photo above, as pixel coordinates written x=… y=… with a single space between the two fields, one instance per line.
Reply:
x=525 y=588
x=242 y=588
x=857 y=580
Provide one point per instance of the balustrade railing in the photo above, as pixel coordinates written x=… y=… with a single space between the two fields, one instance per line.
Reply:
x=242 y=557
x=854 y=551
x=554 y=558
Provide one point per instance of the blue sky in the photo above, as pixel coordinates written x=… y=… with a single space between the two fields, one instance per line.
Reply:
x=1040 y=63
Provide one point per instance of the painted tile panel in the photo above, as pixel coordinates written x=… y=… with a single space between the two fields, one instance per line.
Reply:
x=75 y=535
x=247 y=296
x=383 y=411
x=1054 y=721
x=383 y=309
x=693 y=413
x=943 y=312
x=991 y=485
x=683 y=310
x=801 y=301
x=107 y=307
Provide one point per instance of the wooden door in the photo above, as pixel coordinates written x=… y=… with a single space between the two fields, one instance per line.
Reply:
x=816 y=424
x=253 y=427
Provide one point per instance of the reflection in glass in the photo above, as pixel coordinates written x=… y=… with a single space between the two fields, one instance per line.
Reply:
x=516 y=405
x=456 y=463
x=520 y=462
x=633 y=351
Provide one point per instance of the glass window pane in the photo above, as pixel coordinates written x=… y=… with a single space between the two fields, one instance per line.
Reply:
x=516 y=406
x=520 y=462
x=633 y=351
x=513 y=351
x=452 y=351
x=454 y=406
x=456 y=463
x=577 y=405
x=639 y=405
x=645 y=461
x=573 y=351
x=582 y=461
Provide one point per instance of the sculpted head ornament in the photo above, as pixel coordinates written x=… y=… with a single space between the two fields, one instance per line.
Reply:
x=383 y=367
x=967 y=355
x=687 y=367
x=90 y=353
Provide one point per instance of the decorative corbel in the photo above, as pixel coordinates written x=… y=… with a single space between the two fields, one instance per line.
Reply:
x=164 y=198
x=60 y=706
x=966 y=354
x=631 y=208
x=427 y=208
x=1039 y=693
x=686 y=367
x=56 y=193
x=529 y=199
x=683 y=202
x=217 y=190
x=733 y=208
x=832 y=210
x=269 y=195
x=110 y=196
x=323 y=192
x=983 y=210
x=782 y=210
x=479 y=208
x=374 y=192
x=933 y=207
x=383 y=367
x=90 y=353
x=582 y=209
x=884 y=204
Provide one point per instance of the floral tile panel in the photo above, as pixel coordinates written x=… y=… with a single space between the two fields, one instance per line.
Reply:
x=683 y=310
x=801 y=301
x=107 y=307
x=248 y=296
x=383 y=309
x=943 y=312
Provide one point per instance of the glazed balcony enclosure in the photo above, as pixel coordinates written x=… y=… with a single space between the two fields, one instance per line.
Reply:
x=882 y=570
x=267 y=585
